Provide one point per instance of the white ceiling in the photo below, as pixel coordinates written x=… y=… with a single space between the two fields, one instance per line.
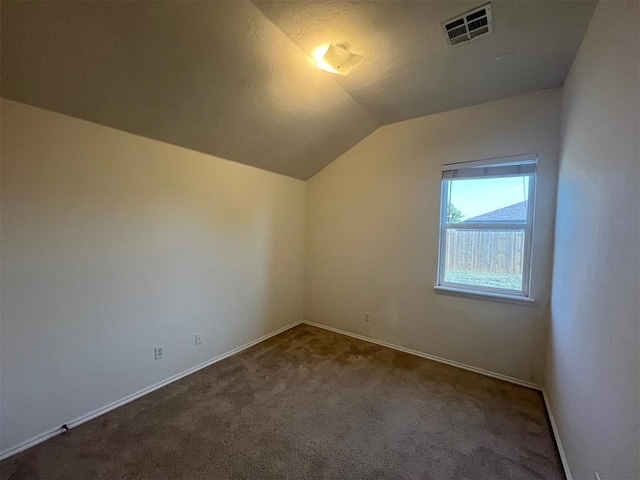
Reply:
x=236 y=79
x=409 y=71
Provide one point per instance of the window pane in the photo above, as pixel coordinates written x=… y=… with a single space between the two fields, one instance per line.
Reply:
x=487 y=258
x=488 y=200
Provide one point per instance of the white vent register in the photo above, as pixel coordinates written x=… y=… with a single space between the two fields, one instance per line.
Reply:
x=468 y=26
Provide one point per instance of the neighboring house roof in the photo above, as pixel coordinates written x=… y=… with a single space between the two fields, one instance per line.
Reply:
x=513 y=213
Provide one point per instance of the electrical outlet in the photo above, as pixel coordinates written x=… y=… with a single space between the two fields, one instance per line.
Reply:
x=366 y=316
x=198 y=338
x=159 y=352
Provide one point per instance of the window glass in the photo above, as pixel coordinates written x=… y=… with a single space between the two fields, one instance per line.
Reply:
x=486 y=258
x=488 y=200
x=485 y=243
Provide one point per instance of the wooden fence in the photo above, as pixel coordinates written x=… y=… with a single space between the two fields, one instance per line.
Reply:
x=485 y=250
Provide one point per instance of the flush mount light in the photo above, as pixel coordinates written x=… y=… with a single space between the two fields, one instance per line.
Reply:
x=336 y=59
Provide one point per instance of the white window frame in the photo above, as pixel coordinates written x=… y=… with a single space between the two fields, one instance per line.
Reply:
x=467 y=289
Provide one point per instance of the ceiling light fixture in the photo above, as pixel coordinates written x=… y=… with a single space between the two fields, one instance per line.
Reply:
x=336 y=59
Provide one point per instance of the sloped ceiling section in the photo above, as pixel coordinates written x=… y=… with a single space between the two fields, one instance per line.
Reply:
x=408 y=70
x=236 y=79
x=217 y=77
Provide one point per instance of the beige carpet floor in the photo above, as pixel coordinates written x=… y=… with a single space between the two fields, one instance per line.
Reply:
x=311 y=404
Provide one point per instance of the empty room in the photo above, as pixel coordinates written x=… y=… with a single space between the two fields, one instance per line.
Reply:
x=341 y=240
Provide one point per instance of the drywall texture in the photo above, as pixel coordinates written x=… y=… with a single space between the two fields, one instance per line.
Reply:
x=238 y=81
x=113 y=244
x=372 y=236
x=217 y=77
x=593 y=361
x=409 y=71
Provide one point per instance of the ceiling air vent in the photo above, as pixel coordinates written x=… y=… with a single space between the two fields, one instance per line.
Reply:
x=472 y=24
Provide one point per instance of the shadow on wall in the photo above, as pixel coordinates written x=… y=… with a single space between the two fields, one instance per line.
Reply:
x=113 y=244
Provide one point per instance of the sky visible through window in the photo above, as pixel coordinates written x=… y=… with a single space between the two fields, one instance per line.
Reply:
x=478 y=196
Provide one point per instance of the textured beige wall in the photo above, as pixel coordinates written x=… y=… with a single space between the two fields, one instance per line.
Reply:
x=112 y=244
x=372 y=236
x=593 y=370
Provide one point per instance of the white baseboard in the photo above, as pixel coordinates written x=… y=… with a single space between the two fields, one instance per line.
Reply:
x=556 y=434
x=118 y=403
x=129 y=398
x=453 y=363
x=506 y=378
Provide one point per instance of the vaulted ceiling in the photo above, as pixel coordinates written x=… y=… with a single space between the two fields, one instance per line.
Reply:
x=237 y=79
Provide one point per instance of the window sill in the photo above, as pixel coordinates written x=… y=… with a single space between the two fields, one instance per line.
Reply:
x=498 y=297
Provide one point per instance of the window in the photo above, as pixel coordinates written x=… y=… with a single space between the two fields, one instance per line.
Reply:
x=486 y=226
